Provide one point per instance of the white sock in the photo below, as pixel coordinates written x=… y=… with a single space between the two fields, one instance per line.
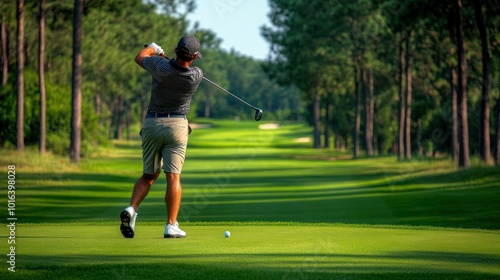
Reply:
x=130 y=209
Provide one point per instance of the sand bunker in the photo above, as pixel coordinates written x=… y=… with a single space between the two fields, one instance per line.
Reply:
x=269 y=126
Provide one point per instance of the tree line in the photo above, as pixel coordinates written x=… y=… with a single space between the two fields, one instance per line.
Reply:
x=70 y=83
x=413 y=77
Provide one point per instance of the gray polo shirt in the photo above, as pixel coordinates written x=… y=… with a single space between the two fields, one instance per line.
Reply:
x=173 y=86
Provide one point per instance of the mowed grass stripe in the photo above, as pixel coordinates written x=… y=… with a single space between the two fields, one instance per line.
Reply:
x=244 y=180
x=294 y=212
x=257 y=250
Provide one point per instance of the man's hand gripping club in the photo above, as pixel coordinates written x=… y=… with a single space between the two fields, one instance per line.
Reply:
x=157 y=48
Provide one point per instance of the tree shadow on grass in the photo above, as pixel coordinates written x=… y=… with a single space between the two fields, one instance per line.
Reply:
x=310 y=193
x=285 y=195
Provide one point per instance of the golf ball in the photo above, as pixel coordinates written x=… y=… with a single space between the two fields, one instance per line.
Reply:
x=227 y=234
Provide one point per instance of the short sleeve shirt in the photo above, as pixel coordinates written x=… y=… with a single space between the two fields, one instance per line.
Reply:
x=173 y=86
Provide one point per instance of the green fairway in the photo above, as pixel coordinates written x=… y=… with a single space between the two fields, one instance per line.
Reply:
x=91 y=251
x=266 y=250
x=293 y=212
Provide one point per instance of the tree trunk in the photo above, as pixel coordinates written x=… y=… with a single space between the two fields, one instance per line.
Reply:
x=455 y=144
x=20 y=75
x=41 y=77
x=484 y=115
x=128 y=119
x=402 y=102
x=98 y=107
x=364 y=101
x=368 y=105
x=327 y=125
x=408 y=77
x=119 y=117
x=463 y=136
x=76 y=96
x=207 y=104
x=112 y=120
x=357 y=117
x=497 y=133
x=370 y=114
x=5 y=53
x=420 y=146
x=336 y=134
x=317 y=121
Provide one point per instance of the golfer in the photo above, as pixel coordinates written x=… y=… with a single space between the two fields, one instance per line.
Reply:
x=164 y=132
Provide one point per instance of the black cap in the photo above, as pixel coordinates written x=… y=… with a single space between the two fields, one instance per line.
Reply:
x=189 y=45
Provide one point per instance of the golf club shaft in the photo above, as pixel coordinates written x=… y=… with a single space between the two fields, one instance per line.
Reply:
x=226 y=91
x=219 y=87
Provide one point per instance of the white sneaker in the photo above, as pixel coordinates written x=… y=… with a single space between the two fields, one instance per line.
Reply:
x=127 y=226
x=173 y=231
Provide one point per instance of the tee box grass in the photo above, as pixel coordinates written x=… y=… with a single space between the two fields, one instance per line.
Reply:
x=293 y=212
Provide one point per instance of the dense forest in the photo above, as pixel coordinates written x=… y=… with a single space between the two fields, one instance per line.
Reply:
x=376 y=77
x=413 y=77
x=114 y=90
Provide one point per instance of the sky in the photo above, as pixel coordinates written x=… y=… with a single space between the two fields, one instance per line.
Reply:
x=236 y=22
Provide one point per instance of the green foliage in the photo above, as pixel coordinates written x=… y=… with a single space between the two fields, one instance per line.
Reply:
x=245 y=78
x=58 y=142
x=113 y=33
x=317 y=48
x=58 y=114
x=8 y=107
x=321 y=47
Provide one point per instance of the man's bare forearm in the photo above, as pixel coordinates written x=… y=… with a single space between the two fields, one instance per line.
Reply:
x=149 y=51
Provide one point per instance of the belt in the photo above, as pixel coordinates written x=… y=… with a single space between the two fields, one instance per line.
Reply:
x=149 y=115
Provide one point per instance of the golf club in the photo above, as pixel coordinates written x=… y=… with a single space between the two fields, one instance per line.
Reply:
x=258 y=112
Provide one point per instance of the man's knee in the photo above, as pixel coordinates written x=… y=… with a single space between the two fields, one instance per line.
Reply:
x=150 y=176
x=173 y=177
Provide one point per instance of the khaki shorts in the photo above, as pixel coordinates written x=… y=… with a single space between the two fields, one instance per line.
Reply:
x=164 y=139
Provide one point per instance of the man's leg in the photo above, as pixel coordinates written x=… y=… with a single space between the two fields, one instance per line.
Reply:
x=129 y=215
x=173 y=196
x=141 y=189
x=173 y=202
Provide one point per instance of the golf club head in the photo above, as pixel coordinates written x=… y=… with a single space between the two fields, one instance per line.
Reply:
x=258 y=114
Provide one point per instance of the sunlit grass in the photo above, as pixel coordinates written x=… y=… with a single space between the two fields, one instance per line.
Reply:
x=294 y=212
x=256 y=250
x=244 y=180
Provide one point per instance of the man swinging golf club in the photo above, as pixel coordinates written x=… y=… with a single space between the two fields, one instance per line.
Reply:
x=165 y=129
